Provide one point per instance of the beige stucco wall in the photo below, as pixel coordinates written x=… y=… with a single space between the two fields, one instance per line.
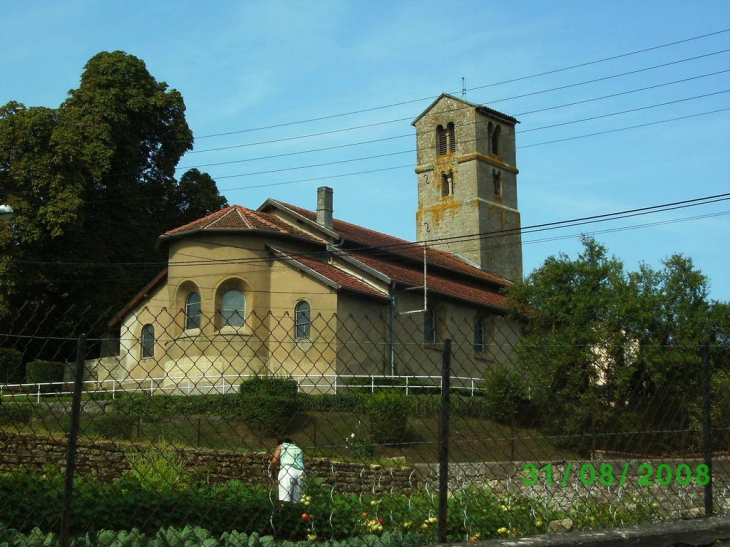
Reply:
x=363 y=342
x=350 y=333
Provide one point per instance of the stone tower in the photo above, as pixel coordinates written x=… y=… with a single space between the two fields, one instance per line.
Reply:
x=467 y=184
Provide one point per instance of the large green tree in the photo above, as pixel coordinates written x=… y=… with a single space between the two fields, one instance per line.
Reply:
x=607 y=351
x=92 y=184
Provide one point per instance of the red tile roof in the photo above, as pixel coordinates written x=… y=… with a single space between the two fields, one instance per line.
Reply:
x=236 y=217
x=338 y=277
x=390 y=244
x=436 y=281
x=395 y=258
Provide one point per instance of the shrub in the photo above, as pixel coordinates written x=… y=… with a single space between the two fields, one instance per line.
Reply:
x=330 y=402
x=271 y=386
x=504 y=392
x=268 y=404
x=11 y=366
x=387 y=412
x=42 y=372
x=15 y=414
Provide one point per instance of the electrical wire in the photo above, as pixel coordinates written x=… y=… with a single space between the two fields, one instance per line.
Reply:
x=485 y=86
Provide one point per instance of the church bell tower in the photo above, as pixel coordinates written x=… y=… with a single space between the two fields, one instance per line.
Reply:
x=467 y=184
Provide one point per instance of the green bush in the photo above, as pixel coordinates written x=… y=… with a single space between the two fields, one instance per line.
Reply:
x=11 y=366
x=271 y=386
x=387 y=411
x=41 y=372
x=330 y=402
x=12 y=413
x=268 y=404
x=162 y=406
x=504 y=392
x=268 y=416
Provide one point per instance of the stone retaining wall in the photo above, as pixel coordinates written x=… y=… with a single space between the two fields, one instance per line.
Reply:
x=107 y=460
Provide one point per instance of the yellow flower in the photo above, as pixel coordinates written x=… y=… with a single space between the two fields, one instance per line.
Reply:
x=433 y=519
x=502 y=530
x=312 y=537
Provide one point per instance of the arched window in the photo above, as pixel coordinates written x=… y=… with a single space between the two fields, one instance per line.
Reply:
x=192 y=311
x=447 y=184
x=445 y=139
x=302 y=320
x=479 y=336
x=148 y=341
x=233 y=309
x=497 y=179
x=441 y=140
x=494 y=140
x=429 y=326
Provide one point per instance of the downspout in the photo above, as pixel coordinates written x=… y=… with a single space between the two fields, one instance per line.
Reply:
x=393 y=314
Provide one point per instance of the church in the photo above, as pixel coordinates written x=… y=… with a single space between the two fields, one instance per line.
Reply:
x=286 y=291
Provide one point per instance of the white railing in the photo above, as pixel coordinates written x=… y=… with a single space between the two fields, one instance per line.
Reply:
x=222 y=384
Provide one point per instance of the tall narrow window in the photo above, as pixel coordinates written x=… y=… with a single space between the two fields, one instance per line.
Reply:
x=497 y=179
x=233 y=309
x=494 y=138
x=192 y=311
x=429 y=326
x=447 y=184
x=148 y=341
x=303 y=320
x=441 y=140
x=478 y=336
x=451 y=137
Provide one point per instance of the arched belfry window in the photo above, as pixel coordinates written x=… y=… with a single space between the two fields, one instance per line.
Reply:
x=192 y=311
x=441 y=140
x=445 y=139
x=497 y=180
x=302 y=320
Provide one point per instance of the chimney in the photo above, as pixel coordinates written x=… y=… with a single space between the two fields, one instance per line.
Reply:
x=324 y=206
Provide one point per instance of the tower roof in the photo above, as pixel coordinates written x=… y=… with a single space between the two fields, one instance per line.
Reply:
x=480 y=108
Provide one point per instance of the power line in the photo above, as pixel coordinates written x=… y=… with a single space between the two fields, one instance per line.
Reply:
x=412 y=150
x=493 y=84
x=648 y=124
x=617 y=215
x=409 y=135
x=539 y=92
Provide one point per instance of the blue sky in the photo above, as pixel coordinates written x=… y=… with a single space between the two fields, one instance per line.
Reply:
x=286 y=96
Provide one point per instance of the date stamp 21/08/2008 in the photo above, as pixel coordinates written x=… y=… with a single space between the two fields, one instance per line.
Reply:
x=608 y=475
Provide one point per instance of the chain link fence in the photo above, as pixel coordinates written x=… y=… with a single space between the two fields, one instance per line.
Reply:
x=414 y=429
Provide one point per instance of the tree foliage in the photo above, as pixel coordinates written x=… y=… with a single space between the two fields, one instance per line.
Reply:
x=606 y=351
x=92 y=184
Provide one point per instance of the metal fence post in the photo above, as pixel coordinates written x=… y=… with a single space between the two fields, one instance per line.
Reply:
x=444 y=440
x=72 y=439
x=707 y=426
